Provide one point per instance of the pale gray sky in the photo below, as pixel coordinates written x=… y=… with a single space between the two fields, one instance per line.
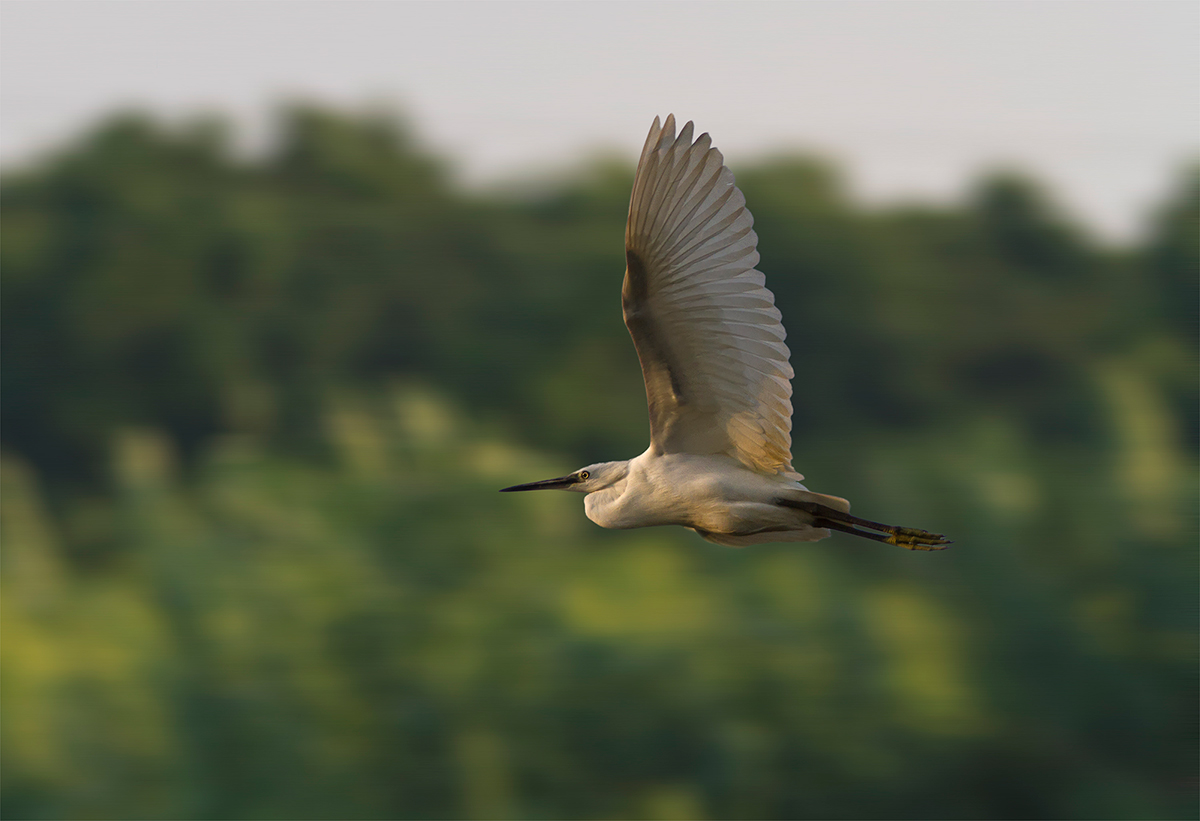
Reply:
x=1100 y=99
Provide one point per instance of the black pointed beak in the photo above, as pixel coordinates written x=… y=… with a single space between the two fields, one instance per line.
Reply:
x=545 y=484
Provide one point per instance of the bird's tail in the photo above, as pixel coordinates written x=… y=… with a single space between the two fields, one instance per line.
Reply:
x=835 y=502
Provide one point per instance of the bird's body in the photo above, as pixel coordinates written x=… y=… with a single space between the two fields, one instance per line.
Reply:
x=711 y=345
x=713 y=494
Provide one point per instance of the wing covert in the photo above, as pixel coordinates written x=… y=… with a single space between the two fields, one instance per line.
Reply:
x=706 y=329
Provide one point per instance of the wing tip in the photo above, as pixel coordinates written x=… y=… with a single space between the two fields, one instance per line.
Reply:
x=662 y=133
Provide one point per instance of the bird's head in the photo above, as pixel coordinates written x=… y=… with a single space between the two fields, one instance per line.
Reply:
x=585 y=480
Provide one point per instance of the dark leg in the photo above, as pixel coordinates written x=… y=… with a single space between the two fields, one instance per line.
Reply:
x=841 y=527
x=909 y=537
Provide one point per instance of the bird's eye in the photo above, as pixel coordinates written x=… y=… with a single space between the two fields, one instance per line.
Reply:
x=583 y=475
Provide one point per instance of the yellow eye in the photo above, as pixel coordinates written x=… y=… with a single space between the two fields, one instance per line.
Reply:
x=583 y=475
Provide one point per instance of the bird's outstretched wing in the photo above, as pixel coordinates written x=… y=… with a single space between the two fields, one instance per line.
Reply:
x=707 y=331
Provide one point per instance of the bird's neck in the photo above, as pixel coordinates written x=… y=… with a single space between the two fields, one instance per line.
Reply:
x=604 y=506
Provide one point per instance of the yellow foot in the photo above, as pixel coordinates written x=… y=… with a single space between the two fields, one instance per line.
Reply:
x=915 y=539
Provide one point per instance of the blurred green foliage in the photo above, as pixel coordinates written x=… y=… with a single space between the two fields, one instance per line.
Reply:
x=256 y=411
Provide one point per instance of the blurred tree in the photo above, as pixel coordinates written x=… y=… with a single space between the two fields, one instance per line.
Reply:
x=1173 y=258
x=252 y=570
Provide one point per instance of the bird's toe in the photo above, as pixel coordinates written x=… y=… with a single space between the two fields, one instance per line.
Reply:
x=916 y=539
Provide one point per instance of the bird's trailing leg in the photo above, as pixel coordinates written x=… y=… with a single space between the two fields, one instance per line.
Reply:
x=910 y=537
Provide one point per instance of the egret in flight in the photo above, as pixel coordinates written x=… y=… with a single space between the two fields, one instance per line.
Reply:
x=710 y=342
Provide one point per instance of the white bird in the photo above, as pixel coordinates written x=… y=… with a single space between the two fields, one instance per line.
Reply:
x=713 y=357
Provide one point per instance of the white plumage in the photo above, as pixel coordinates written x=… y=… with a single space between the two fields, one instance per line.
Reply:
x=712 y=350
x=698 y=310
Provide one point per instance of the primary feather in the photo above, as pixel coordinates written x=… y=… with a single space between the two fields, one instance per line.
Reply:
x=706 y=329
